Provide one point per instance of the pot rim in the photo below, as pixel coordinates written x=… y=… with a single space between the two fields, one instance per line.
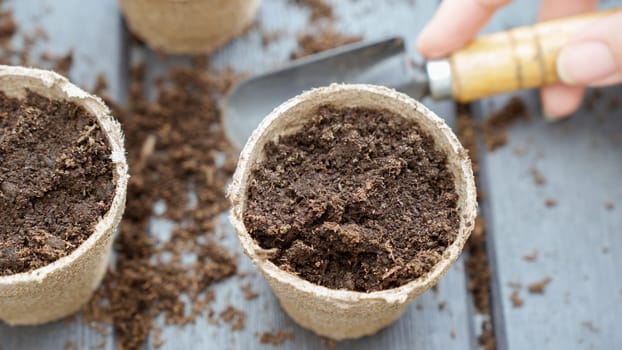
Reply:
x=397 y=295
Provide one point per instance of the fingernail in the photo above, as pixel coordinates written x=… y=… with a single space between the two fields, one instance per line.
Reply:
x=585 y=62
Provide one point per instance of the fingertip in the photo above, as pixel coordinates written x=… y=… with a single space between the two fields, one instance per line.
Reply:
x=428 y=43
x=429 y=51
x=560 y=101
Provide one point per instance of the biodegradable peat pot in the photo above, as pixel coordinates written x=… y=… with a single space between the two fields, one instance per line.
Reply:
x=188 y=26
x=342 y=314
x=63 y=286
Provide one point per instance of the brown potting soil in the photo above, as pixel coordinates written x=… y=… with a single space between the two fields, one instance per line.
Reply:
x=236 y=318
x=516 y=300
x=8 y=27
x=175 y=145
x=550 y=202
x=275 y=338
x=476 y=263
x=531 y=257
x=247 y=290
x=538 y=178
x=539 y=287
x=327 y=342
x=321 y=40
x=56 y=180
x=496 y=126
x=320 y=9
x=358 y=199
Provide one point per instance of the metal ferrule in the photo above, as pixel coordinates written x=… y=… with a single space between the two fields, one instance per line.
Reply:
x=439 y=75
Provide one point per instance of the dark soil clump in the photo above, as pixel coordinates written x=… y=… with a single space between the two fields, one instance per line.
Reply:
x=516 y=300
x=322 y=40
x=275 y=338
x=477 y=263
x=56 y=180
x=320 y=9
x=236 y=318
x=496 y=126
x=539 y=287
x=359 y=199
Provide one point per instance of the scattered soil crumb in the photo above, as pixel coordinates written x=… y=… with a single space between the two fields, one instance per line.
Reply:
x=276 y=338
x=516 y=300
x=531 y=257
x=452 y=334
x=247 y=289
x=356 y=174
x=329 y=343
x=173 y=144
x=538 y=178
x=234 y=317
x=550 y=202
x=71 y=345
x=435 y=290
x=520 y=151
x=320 y=9
x=487 y=339
x=157 y=337
x=477 y=267
x=101 y=84
x=268 y=38
x=476 y=263
x=61 y=64
x=496 y=126
x=441 y=305
x=8 y=27
x=324 y=39
x=211 y=317
x=609 y=205
x=539 y=287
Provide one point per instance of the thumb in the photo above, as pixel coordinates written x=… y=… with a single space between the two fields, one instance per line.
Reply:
x=594 y=56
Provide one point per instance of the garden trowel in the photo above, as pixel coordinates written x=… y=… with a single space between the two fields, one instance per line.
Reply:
x=516 y=59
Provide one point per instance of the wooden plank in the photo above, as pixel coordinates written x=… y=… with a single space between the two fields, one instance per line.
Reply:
x=93 y=30
x=423 y=326
x=577 y=241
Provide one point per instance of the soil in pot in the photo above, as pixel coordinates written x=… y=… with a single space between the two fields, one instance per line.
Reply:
x=357 y=199
x=56 y=180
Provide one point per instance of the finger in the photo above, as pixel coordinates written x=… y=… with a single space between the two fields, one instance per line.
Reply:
x=594 y=56
x=551 y=9
x=454 y=24
x=559 y=100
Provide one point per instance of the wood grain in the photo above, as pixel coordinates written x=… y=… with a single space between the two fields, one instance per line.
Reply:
x=515 y=59
x=423 y=326
x=577 y=241
x=93 y=31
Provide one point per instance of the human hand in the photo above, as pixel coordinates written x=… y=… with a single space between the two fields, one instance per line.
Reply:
x=592 y=57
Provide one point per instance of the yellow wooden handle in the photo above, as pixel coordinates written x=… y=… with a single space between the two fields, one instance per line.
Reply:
x=516 y=59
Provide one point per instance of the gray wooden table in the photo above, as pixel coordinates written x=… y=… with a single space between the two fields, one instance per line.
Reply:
x=578 y=242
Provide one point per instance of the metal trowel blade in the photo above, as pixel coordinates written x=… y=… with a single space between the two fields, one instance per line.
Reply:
x=382 y=62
